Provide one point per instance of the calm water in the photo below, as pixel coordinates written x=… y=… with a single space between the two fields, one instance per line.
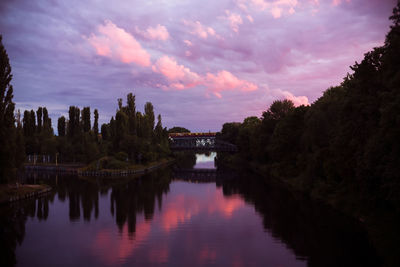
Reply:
x=161 y=220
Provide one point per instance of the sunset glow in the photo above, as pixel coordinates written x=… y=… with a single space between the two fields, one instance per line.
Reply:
x=223 y=60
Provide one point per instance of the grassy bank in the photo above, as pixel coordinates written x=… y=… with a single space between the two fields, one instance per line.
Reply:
x=106 y=166
x=115 y=166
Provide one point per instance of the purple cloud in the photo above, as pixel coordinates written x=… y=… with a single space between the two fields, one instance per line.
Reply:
x=246 y=52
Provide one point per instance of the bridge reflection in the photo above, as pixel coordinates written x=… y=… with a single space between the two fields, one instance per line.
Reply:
x=201 y=175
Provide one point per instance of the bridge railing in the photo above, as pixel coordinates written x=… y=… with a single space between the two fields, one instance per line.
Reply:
x=210 y=134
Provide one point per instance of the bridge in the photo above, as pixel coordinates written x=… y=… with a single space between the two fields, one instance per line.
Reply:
x=199 y=141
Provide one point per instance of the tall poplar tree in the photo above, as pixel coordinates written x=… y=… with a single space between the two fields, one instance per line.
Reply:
x=39 y=114
x=131 y=112
x=96 y=124
x=61 y=126
x=7 y=120
x=86 y=119
x=149 y=119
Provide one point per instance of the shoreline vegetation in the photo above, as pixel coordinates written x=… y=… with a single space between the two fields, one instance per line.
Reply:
x=15 y=192
x=345 y=144
x=90 y=170
x=342 y=150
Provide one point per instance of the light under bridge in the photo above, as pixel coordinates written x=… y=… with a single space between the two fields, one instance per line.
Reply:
x=199 y=141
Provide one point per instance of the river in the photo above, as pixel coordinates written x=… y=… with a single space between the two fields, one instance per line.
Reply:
x=199 y=216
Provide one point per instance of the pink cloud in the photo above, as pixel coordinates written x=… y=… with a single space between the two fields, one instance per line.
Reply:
x=234 y=20
x=114 y=42
x=155 y=33
x=188 y=43
x=226 y=81
x=250 y=18
x=179 y=76
x=297 y=100
x=275 y=7
x=338 y=2
x=276 y=12
x=196 y=28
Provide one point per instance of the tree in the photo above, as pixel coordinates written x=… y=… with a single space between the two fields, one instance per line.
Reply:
x=47 y=127
x=177 y=129
x=278 y=110
x=149 y=119
x=105 y=132
x=119 y=100
x=229 y=132
x=19 y=142
x=74 y=127
x=248 y=132
x=61 y=126
x=86 y=119
x=7 y=120
x=121 y=123
x=96 y=124
x=159 y=129
x=32 y=123
x=131 y=112
x=29 y=124
x=39 y=114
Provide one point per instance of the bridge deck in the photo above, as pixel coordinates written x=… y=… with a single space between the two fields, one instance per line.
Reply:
x=199 y=141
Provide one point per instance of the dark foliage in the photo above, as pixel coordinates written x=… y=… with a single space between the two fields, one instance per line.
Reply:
x=9 y=161
x=347 y=140
x=177 y=129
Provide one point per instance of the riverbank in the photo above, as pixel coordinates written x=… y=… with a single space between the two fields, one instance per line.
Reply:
x=88 y=170
x=379 y=220
x=14 y=192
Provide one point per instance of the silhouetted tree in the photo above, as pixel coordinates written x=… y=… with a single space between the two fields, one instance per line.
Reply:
x=149 y=119
x=7 y=126
x=131 y=112
x=61 y=126
x=96 y=124
x=86 y=119
x=39 y=114
x=105 y=132
x=177 y=129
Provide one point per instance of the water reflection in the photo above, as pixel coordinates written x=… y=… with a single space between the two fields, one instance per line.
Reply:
x=156 y=220
x=205 y=160
x=312 y=230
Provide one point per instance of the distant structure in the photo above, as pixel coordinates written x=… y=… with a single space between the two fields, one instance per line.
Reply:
x=199 y=141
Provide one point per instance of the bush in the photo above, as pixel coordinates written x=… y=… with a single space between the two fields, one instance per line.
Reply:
x=116 y=164
x=121 y=156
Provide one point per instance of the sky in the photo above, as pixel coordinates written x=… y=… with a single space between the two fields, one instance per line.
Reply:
x=200 y=62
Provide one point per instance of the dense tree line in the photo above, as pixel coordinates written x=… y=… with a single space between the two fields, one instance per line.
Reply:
x=130 y=137
x=347 y=139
